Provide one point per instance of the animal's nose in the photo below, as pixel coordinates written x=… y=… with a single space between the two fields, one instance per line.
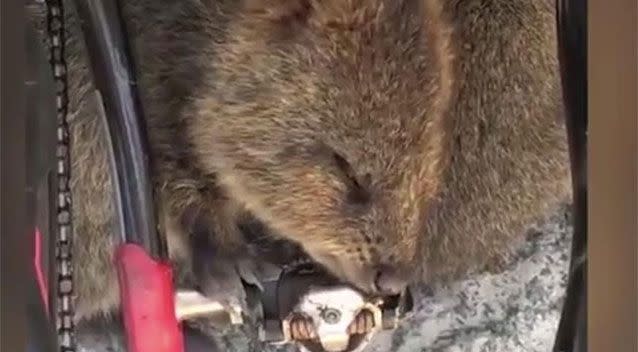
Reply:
x=389 y=280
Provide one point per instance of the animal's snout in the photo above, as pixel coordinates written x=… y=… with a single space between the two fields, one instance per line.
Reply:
x=380 y=278
x=389 y=280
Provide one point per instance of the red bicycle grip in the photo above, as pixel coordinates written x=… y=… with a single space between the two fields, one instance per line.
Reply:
x=147 y=301
x=39 y=270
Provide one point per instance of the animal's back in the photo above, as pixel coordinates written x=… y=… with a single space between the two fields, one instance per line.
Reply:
x=509 y=160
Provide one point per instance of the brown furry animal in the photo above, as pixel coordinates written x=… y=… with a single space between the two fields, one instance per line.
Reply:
x=391 y=139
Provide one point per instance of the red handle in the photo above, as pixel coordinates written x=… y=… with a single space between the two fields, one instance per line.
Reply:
x=148 y=302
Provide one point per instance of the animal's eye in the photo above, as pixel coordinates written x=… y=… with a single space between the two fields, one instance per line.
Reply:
x=358 y=189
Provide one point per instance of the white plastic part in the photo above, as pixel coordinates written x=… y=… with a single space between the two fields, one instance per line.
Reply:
x=332 y=311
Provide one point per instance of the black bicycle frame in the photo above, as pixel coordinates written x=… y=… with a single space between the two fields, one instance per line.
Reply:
x=571 y=20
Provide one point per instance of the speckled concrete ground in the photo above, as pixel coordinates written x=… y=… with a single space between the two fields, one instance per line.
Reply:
x=517 y=310
x=514 y=311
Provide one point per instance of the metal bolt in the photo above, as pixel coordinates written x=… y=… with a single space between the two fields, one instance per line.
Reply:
x=331 y=316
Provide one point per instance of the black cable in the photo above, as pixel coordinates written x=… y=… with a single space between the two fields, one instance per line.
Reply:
x=114 y=76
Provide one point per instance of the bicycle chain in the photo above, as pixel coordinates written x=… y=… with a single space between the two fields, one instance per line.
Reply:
x=65 y=305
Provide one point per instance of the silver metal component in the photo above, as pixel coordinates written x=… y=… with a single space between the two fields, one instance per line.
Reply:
x=332 y=312
x=331 y=316
x=192 y=304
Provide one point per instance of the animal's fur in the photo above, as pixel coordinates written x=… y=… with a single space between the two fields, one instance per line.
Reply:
x=379 y=135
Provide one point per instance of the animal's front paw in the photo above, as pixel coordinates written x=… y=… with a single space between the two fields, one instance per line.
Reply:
x=220 y=279
x=223 y=277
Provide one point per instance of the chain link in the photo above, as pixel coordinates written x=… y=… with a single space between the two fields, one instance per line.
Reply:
x=65 y=305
